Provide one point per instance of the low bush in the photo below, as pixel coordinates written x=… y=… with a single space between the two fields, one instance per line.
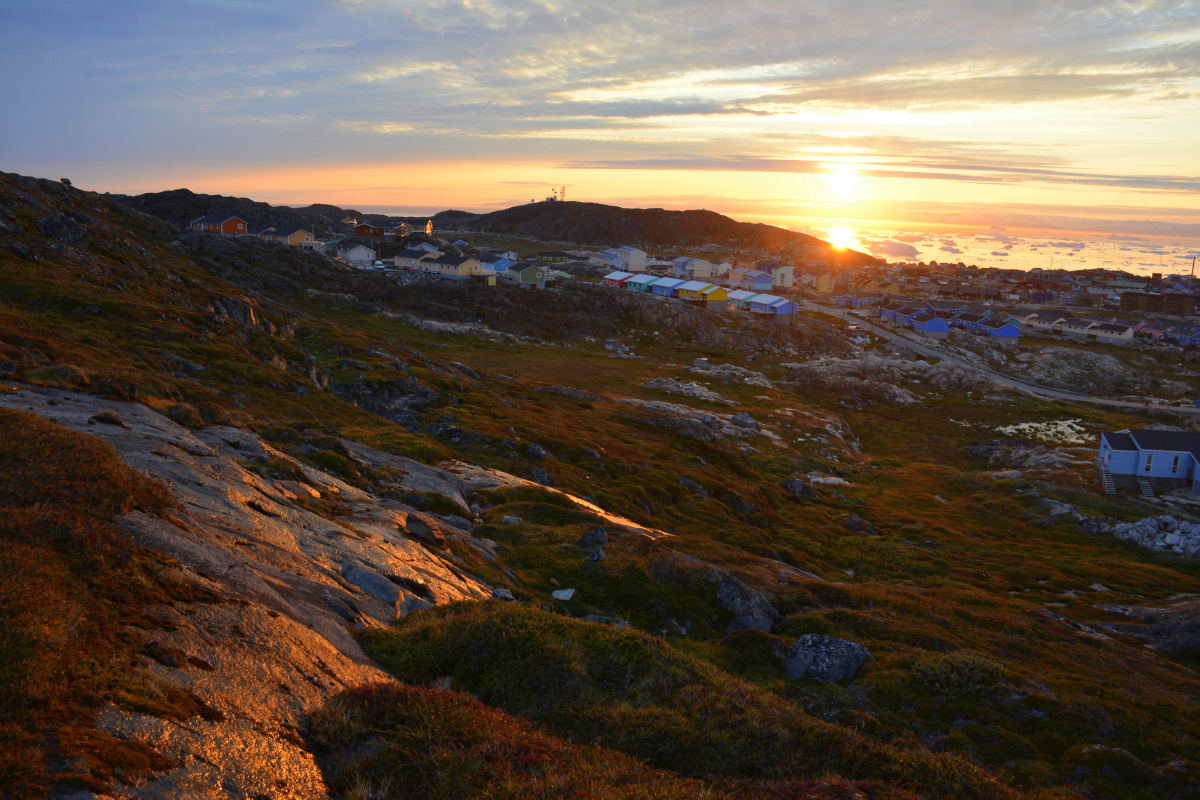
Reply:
x=957 y=673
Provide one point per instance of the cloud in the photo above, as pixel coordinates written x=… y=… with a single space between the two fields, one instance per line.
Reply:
x=894 y=249
x=999 y=253
x=1072 y=245
x=950 y=249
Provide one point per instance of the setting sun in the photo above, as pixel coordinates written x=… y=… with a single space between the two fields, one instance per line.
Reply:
x=844 y=181
x=841 y=237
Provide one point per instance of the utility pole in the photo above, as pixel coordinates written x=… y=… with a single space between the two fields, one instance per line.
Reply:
x=1192 y=275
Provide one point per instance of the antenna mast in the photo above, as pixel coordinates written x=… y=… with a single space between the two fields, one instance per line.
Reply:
x=562 y=195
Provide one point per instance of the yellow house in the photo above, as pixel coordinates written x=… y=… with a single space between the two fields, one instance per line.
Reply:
x=891 y=288
x=872 y=286
x=694 y=290
x=457 y=267
x=823 y=282
x=296 y=238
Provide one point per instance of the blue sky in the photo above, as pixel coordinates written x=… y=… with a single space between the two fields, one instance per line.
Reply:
x=1072 y=114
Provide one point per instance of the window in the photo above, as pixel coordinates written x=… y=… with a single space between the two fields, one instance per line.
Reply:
x=1175 y=466
x=1149 y=461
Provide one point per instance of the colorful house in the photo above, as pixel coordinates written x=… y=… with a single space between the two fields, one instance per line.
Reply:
x=617 y=278
x=693 y=290
x=716 y=298
x=1001 y=329
x=740 y=298
x=668 y=287
x=459 y=268
x=779 y=309
x=640 y=283
x=224 y=224
x=1148 y=461
x=930 y=325
x=527 y=275
x=757 y=281
x=1112 y=333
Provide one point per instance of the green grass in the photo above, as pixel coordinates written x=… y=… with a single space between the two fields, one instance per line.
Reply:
x=627 y=691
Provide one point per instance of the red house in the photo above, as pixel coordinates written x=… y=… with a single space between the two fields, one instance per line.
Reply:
x=367 y=229
x=220 y=223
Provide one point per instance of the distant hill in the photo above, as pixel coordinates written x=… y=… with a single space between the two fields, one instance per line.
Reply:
x=181 y=206
x=606 y=226
x=585 y=224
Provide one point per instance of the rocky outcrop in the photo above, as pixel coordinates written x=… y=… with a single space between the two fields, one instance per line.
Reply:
x=825 y=659
x=1024 y=454
x=295 y=586
x=729 y=373
x=473 y=329
x=1173 y=629
x=1080 y=370
x=699 y=425
x=873 y=379
x=693 y=390
x=1161 y=533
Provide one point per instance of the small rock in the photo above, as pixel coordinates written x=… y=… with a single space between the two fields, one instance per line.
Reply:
x=596 y=555
x=502 y=594
x=563 y=594
x=692 y=486
x=536 y=452
x=744 y=420
x=1006 y=475
x=1099 y=587
x=7 y=369
x=594 y=538
x=825 y=659
x=511 y=520
x=749 y=607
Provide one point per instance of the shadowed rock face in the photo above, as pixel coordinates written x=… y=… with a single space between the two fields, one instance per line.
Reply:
x=1172 y=629
x=296 y=584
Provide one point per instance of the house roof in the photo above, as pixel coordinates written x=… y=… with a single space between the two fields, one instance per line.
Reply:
x=925 y=317
x=1170 y=441
x=453 y=261
x=971 y=317
x=352 y=248
x=411 y=253
x=668 y=283
x=618 y=276
x=995 y=324
x=766 y=299
x=741 y=294
x=640 y=279
x=217 y=219
x=694 y=286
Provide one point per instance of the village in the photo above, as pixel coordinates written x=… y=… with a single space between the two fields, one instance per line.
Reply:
x=1103 y=306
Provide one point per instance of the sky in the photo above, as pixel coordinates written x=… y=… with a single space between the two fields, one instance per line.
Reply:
x=1043 y=119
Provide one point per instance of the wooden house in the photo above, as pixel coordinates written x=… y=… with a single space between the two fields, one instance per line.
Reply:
x=223 y=224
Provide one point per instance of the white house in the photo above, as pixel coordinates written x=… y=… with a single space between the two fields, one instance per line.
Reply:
x=359 y=255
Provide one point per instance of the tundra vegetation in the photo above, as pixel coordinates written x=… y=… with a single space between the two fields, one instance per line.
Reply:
x=992 y=673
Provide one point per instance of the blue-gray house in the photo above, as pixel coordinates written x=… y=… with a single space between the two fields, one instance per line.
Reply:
x=929 y=325
x=1149 y=461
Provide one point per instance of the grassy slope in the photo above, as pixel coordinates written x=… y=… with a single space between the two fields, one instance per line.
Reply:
x=912 y=606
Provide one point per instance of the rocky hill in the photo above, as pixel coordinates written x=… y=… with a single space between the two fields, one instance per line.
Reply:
x=274 y=527
x=181 y=206
x=609 y=226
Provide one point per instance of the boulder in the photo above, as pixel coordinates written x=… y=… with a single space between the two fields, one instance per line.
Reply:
x=540 y=475
x=744 y=420
x=748 y=606
x=596 y=555
x=859 y=525
x=536 y=451
x=797 y=488
x=502 y=594
x=825 y=659
x=563 y=594
x=510 y=520
x=594 y=538
x=692 y=486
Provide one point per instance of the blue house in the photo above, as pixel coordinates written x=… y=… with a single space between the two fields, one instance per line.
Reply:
x=847 y=300
x=668 y=287
x=768 y=305
x=889 y=311
x=1001 y=328
x=929 y=325
x=969 y=321
x=757 y=281
x=1148 y=461
x=905 y=313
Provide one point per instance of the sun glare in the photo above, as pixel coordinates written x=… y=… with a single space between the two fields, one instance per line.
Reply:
x=844 y=181
x=840 y=237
